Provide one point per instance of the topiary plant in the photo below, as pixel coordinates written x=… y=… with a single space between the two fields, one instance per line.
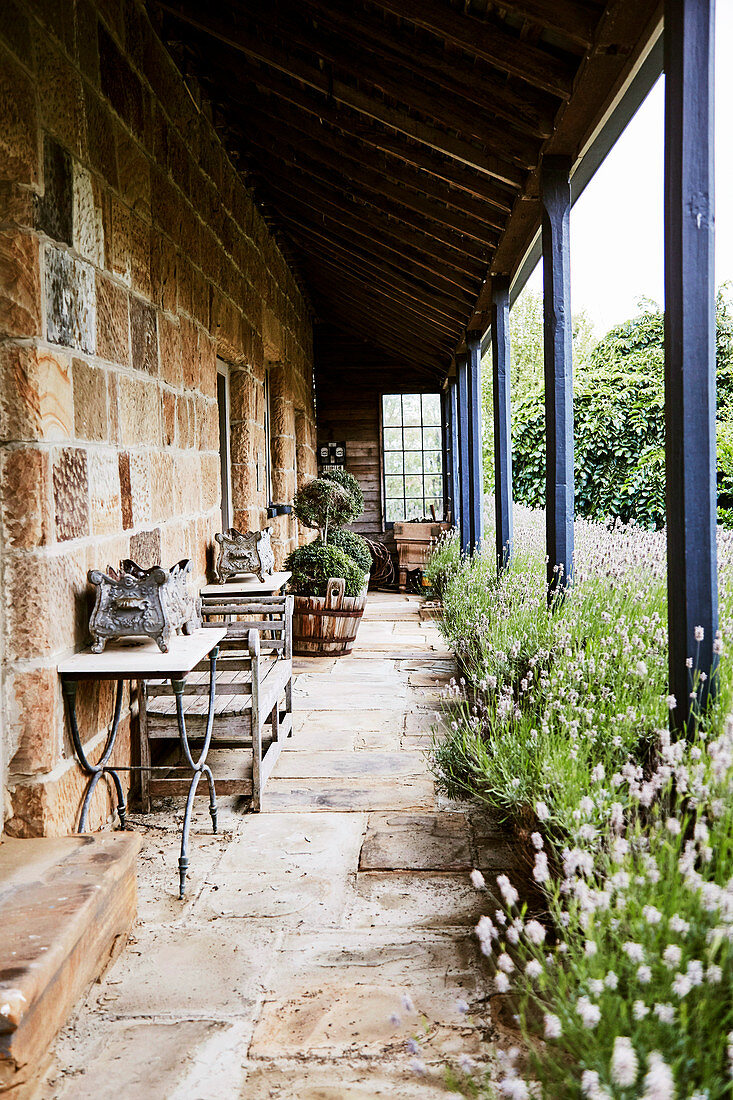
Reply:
x=324 y=504
x=313 y=566
x=355 y=546
x=348 y=482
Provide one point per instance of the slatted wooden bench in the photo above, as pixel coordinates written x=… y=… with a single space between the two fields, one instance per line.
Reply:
x=254 y=702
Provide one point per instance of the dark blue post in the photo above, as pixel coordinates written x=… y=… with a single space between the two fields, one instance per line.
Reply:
x=560 y=489
x=501 y=354
x=689 y=353
x=454 y=483
x=475 y=457
x=464 y=479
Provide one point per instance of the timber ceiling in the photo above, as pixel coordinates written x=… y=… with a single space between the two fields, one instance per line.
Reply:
x=393 y=145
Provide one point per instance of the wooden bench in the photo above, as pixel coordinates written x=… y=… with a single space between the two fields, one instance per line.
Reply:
x=253 y=708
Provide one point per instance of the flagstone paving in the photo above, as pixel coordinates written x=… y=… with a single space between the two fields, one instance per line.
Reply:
x=282 y=973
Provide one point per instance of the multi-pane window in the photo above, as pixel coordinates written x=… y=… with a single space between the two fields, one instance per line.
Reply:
x=413 y=456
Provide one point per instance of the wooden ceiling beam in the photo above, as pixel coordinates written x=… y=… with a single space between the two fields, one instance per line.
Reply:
x=396 y=81
x=356 y=219
x=399 y=290
x=417 y=279
x=337 y=90
x=484 y=39
x=375 y=193
x=378 y=251
x=383 y=306
x=574 y=19
x=346 y=157
x=531 y=111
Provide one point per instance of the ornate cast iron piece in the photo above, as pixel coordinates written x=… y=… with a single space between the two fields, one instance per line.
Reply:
x=141 y=602
x=250 y=552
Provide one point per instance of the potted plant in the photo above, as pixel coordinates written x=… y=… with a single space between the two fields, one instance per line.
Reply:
x=330 y=576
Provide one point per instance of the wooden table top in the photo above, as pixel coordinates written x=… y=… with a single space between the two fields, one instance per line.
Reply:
x=140 y=658
x=248 y=585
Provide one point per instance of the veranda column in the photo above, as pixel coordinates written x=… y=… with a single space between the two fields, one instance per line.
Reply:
x=689 y=31
x=475 y=456
x=501 y=352
x=464 y=521
x=454 y=487
x=560 y=486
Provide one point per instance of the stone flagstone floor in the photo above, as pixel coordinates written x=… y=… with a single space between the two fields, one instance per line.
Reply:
x=306 y=925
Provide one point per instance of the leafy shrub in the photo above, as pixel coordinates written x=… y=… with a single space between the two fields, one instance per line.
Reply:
x=348 y=482
x=355 y=546
x=314 y=565
x=443 y=562
x=323 y=504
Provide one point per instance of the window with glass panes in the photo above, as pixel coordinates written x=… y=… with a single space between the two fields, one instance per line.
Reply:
x=413 y=455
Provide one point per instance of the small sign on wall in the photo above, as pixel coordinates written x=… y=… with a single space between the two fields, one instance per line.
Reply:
x=332 y=454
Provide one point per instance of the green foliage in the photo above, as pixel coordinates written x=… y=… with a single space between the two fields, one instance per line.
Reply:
x=443 y=563
x=323 y=504
x=314 y=565
x=619 y=415
x=356 y=547
x=348 y=482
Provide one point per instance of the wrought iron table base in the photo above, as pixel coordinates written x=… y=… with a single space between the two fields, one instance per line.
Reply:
x=102 y=767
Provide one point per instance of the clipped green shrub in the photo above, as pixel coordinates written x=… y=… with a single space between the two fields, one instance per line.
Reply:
x=324 y=504
x=313 y=566
x=348 y=482
x=356 y=547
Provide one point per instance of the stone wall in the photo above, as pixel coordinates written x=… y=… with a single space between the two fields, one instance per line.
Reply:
x=131 y=258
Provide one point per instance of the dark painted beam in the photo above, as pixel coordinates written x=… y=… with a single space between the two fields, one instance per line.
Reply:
x=501 y=359
x=475 y=458
x=464 y=469
x=454 y=482
x=558 y=334
x=689 y=285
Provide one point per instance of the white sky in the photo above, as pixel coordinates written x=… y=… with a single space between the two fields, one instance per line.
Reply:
x=616 y=228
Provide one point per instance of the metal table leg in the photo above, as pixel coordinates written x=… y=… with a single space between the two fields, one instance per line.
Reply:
x=199 y=767
x=95 y=771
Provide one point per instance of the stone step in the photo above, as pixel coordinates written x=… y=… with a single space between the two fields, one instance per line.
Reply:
x=64 y=902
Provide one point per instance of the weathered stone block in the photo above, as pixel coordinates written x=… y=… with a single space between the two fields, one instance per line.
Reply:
x=117 y=239
x=210 y=481
x=134 y=174
x=139 y=411
x=90 y=401
x=25 y=511
x=125 y=491
x=164 y=272
x=87 y=51
x=104 y=492
x=140 y=487
x=162 y=485
x=59 y=95
x=242 y=399
x=144 y=330
x=19 y=144
x=55 y=208
x=186 y=421
x=145 y=549
x=71 y=493
x=113 y=325
x=16 y=206
x=20 y=285
x=240 y=442
x=207 y=363
x=71 y=301
x=120 y=84
x=46 y=602
x=169 y=341
x=35 y=711
x=168 y=400
x=88 y=217
x=190 y=353
x=100 y=136
x=139 y=248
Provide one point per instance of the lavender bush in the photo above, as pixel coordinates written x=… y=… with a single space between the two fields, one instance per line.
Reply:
x=560 y=724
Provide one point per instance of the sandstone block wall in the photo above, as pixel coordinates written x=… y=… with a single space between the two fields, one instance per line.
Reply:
x=131 y=258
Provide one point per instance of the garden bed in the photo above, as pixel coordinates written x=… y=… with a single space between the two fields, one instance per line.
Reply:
x=560 y=723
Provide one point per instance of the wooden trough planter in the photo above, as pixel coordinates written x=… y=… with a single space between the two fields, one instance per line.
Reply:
x=326 y=626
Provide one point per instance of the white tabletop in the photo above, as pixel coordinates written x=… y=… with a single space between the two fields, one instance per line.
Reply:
x=248 y=585
x=140 y=658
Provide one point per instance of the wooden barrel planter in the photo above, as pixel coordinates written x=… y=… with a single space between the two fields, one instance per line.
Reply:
x=326 y=626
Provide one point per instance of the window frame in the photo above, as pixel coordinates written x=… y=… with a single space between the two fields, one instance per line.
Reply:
x=388 y=524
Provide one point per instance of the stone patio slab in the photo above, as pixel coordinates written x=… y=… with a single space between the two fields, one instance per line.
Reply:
x=307 y=765
x=407 y=900
x=286 y=897
x=348 y=795
x=340 y=1080
x=292 y=840
x=424 y=842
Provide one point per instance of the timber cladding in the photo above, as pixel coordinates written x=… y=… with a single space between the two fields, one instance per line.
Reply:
x=351 y=376
x=131 y=259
